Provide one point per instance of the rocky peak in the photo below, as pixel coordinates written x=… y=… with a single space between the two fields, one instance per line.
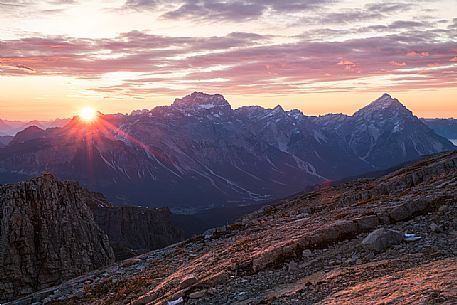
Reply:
x=199 y=101
x=30 y=133
x=383 y=104
x=278 y=110
x=139 y=112
x=385 y=100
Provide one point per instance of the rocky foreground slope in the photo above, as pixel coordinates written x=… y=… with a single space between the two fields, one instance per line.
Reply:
x=390 y=240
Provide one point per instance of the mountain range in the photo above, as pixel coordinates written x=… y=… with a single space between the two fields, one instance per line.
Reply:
x=444 y=127
x=199 y=152
x=10 y=128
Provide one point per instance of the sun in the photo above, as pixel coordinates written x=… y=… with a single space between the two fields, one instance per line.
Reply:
x=88 y=114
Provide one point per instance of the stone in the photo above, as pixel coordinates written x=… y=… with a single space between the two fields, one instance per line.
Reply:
x=381 y=239
x=435 y=228
x=131 y=262
x=208 y=234
x=292 y=266
x=307 y=253
x=367 y=222
x=197 y=294
x=188 y=281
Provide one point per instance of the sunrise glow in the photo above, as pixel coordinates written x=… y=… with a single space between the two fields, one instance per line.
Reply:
x=88 y=114
x=316 y=56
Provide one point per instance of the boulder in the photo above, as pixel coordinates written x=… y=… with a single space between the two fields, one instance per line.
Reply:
x=188 y=281
x=381 y=239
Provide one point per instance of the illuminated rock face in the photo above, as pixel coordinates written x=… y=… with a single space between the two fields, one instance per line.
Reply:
x=199 y=152
x=47 y=235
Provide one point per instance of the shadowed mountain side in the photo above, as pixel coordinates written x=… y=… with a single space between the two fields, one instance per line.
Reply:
x=135 y=230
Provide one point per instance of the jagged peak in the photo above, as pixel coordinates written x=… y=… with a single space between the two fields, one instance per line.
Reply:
x=278 y=109
x=202 y=100
x=384 y=102
x=29 y=133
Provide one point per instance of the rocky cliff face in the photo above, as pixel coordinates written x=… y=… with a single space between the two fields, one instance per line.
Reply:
x=47 y=235
x=308 y=249
x=136 y=230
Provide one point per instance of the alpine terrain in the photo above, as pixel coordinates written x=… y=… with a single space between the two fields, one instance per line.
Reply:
x=199 y=152
x=369 y=241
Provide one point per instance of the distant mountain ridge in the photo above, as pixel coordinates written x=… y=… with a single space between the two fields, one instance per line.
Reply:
x=199 y=152
x=10 y=128
x=444 y=127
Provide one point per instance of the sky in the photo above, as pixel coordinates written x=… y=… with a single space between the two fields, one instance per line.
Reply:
x=319 y=56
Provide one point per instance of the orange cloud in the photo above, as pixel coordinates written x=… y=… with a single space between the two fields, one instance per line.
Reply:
x=19 y=68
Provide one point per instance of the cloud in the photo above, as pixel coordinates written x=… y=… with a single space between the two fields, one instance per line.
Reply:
x=243 y=62
x=12 y=69
x=225 y=10
x=389 y=7
x=398 y=64
x=420 y=54
x=345 y=62
x=372 y=11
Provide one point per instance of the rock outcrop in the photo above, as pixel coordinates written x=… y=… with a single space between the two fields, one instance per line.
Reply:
x=137 y=230
x=47 y=235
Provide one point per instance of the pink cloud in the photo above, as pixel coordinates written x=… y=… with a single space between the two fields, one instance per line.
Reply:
x=345 y=62
x=398 y=64
x=243 y=62
x=414 y=53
